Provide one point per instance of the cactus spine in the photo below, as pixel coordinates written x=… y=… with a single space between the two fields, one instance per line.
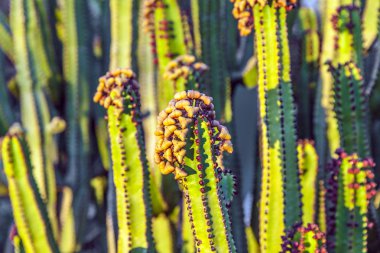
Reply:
x=189 y=142
x=30 y=212
x=118 y=92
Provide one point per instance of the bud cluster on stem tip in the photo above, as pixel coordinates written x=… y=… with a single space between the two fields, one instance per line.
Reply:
x=172 y=128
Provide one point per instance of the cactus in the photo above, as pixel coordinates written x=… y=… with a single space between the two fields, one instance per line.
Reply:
x=6 y=37
x=118 y=92
x=308 y=166
x=30 y=212
x=351 y=108
x=303 y=239
x=124 y=16
x=280 y=181
x=75 y=71
x=6 y=113
x=189 y=142
x=349 y=190
x=324 y=105
x=309 y=70
x=91 y=188
x=163 y=21
x=32 y=75
x=208 y=37
x=184 y=72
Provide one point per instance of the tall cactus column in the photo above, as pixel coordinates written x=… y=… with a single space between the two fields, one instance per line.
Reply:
x=350 y=188
x=118 y=92
x=280 y=204
x=30 y=211
x=189 y=144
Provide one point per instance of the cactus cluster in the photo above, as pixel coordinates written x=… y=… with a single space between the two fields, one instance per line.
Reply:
x=140 y=159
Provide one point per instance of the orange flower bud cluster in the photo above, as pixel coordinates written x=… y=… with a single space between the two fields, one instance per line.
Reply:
x=172 y=130
x=183 y=66
x=112 y=86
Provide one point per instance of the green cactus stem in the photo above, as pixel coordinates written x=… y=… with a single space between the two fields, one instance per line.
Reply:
x=209 y=40
x=348 y=35
x=322 y=220
x=76 y=74
x=280 y=203
x=163 y=21
x=308 y=166
x=370 y=17
x=350 y=105
x=6 y=37
x=324 y=105
x=189 y=142
x=308 y=76
x=304 y=239
x=351 y=108
x=349 y=190
x=29 y=210
x=6 y=113
x=124 y=28
x=118 y=92
x=32 y=76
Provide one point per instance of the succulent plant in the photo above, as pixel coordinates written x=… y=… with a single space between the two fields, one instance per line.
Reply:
x=31 y=216
x=189 y=142
x=72 y=180
x=118 y=92
x=350 y=188
x=302 y=239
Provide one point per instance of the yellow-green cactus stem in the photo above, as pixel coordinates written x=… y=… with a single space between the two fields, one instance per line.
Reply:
x=6 y=112
x=304 y=239
x=76 y=74
x=188 y=244
x=32 y=76
x=308 y=166
x=6 y=37
x=124 y=19
x=189 y=142
x=308 y=75
x=322 y=207
x=351 y=107
x=370 y=17
x=29 y=210
x=349 y=190
x=163 y=21
x=17 y=243
x=118 y=92
x=210 y=38
x=324 y=105
x=348 y=36
x=280 y=203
